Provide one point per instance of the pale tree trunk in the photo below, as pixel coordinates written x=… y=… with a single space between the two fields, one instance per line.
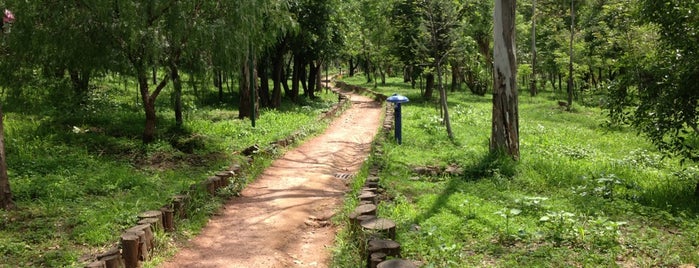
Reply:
x=505 y=125
x=570 y=64
x=6 y=201
x=443 y=98
x=532 y=85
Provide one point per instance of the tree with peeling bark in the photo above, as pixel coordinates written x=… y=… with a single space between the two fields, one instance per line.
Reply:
x=505 y=125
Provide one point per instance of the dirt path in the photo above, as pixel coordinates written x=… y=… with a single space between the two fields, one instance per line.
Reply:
x=280 y=219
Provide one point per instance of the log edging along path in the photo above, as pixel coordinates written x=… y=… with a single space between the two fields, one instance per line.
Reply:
x=136 y=243
x=281 y=219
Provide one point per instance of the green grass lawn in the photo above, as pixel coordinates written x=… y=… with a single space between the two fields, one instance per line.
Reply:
x=583 y=195
x=80 y=173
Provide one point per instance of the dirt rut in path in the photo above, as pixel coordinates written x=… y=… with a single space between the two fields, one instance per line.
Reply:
x=280 y=220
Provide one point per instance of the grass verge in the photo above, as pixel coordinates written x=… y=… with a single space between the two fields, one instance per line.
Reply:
x=582 y=194
x=80 y=174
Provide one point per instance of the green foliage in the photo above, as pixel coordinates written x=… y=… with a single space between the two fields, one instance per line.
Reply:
x=80 y=176
x=582 y=194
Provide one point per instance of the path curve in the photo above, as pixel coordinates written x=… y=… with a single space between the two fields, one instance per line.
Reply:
x=280 y=220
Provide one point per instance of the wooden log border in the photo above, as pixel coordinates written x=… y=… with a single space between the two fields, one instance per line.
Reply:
x=377 y=251
x=134 y=246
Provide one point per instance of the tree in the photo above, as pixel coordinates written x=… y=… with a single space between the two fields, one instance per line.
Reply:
x=532 y=83
x=505 y=124
x=6 y=201
x=668 y=103
x=570 y=63
x=440 y=18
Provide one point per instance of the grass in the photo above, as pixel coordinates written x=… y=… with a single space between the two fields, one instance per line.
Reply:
x=80 y=174
x=583 y=195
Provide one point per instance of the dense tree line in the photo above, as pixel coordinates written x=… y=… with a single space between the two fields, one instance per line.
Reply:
x=635 y=58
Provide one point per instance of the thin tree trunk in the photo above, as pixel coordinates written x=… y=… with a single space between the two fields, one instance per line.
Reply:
x=296 y=77
x=445 y=105
x=309 y=92
x=6 y=202
x=278 y=74
x=247 y=96
x=262 y=66
x=570 y=64
x=532 y=86
x=429 y=86
x=177 y=94
x=505 y=124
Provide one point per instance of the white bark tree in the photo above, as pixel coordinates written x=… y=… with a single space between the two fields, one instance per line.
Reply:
x=505 y=125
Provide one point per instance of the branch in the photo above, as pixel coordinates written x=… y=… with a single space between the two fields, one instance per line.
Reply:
x=160 y=86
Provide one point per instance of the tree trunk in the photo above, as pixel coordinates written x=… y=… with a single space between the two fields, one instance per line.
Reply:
x=296 y=77
x=80 y=81
x=149 y=109
x=505 y=130
x=532 y=84
x=429 y=87
x=218 y=83
x=278 y=75
x=352 y=67
x=570 y=64
x=443 y=99
x=177 y=94
x=455 y=75
x=247 y=88
x=313 y=74
x=262 y=66
x=6 y=202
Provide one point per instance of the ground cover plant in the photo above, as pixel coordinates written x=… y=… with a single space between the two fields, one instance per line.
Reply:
x=582 y=195
x=80 y=173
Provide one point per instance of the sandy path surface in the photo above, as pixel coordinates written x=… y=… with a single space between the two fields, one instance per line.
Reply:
x=280 y=219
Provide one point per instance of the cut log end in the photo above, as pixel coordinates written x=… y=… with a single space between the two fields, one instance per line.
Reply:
x=396 y=263
x=385 y=227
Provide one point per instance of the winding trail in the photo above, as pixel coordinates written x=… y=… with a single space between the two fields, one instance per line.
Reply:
x=280 y=220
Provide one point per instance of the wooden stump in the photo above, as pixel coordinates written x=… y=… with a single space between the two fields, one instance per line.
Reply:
x=383 y=227
x=130 y=249
x=212 y=185
x=389 y=247
x=143 y=243
x=369 y=189
x=153 y=222
x=371 y=184
x=356 y=219
x=168 y=219
x=179 y=204
x=366 y=203
x=396 y=263
x=96 y=264
x=225 y=177
x=373 y=178
x=369 y=209
x=155 y=214
x=112 y=258
x=368 y=196
x=375 y=259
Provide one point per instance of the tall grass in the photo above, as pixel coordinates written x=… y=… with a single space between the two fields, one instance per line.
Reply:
x=582 y=194
x=80 y=174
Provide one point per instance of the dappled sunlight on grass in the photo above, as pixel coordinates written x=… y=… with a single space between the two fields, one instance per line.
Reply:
x=582 y=194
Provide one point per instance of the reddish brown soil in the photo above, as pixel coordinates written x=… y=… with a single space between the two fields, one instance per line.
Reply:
x=280 y=220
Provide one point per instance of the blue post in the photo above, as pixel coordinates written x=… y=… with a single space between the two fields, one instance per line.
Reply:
x=397 y=100
x=399 y=125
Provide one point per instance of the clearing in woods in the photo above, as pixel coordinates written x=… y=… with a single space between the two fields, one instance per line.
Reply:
x=281 y=219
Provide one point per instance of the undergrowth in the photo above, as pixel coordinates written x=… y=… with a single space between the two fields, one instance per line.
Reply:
x=80 y=173
x=582 y=195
